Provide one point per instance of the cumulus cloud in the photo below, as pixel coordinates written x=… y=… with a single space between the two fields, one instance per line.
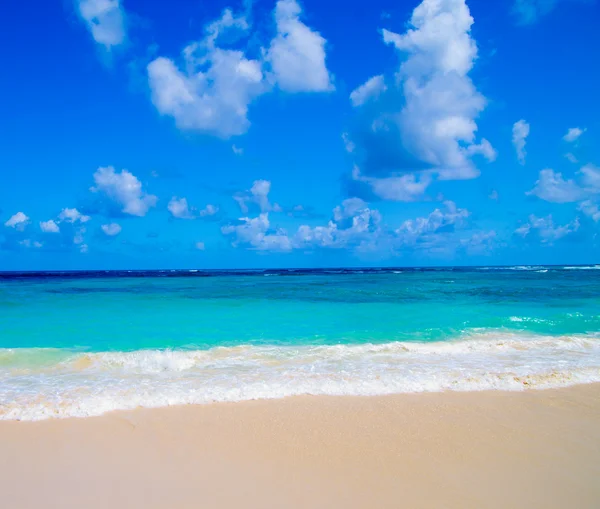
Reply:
x=178 y=207
x=256 y=233
x=212 y=92
x=258 y=194
x=213 y=89
x=544 y=229
x=354 y=225
x=441 y=220
x=72 y=216
x=424 y=122
x=573 y=134
x=297 y=53
x=372 y=88
x=18 y=221
x=49 y=226
x=105 y=20
x=406 y=188
x=552 y=187
x=208 y=211
x=111 y=229
x=590 y=209
x=123 y=189
x=520 y=131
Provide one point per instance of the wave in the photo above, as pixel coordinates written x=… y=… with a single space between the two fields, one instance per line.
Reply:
x=77 y=384
x=583 y=267
x=535 y=268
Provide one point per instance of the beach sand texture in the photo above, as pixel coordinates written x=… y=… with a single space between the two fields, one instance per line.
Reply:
x=440 y=450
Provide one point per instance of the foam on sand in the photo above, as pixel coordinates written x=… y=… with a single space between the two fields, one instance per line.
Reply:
x=65 y=384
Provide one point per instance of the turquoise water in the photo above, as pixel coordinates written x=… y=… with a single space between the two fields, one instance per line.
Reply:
x=85 y=343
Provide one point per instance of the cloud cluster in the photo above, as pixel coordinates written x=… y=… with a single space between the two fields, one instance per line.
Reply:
x=444 y=220
x=422 y=122
x=256 y=233
x=179 y=208
x=213 y=89
x=356 y=226
x=64 y=232
x=544 y=229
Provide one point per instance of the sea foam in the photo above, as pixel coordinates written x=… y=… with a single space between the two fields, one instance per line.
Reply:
x=76 y=384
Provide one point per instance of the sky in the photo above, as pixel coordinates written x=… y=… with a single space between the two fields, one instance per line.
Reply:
x=299 y=133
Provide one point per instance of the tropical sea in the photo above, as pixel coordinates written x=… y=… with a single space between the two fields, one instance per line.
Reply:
x=84 y=343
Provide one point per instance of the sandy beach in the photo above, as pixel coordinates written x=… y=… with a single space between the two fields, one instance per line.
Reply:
x=456 y=450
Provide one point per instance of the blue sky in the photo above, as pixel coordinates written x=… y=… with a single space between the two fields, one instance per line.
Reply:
x=299 y=134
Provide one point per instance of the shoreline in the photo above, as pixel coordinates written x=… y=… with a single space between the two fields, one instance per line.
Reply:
x=448 y=449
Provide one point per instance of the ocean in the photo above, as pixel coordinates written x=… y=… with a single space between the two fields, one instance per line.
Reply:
x=85 y=343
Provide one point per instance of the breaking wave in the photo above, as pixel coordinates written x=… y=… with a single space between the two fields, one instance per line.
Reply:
x=42 y=383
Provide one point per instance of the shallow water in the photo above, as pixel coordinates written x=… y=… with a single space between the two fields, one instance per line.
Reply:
x=77 y=344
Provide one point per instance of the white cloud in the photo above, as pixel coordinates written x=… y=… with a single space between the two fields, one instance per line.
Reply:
x=73 y=216
x=209 y=210
x=178 y=207
x=373 y=87
x=590 y=178
x=493 y=195
x=214 y=88
x=28 y=243
x=520 y=131
x=259 y=195
x=354 y=224
x=297 y=53
x=18 y=221
x=545 y=228
x=213 y=91
x=237 y=150
x=105 y=19
x=484 y=148
x=440 y=220
x=590 y=209
x=257 y=233
x=553 y=187
x=407 y=188
x=111 y=229
x=200 y=246
x=571 y=158
x=124 y=189
x=573 y=134
x=49 y=226
x=424 y=123
x=348 y=144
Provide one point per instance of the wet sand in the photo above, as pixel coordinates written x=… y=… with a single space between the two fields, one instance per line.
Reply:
x=443 y=450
